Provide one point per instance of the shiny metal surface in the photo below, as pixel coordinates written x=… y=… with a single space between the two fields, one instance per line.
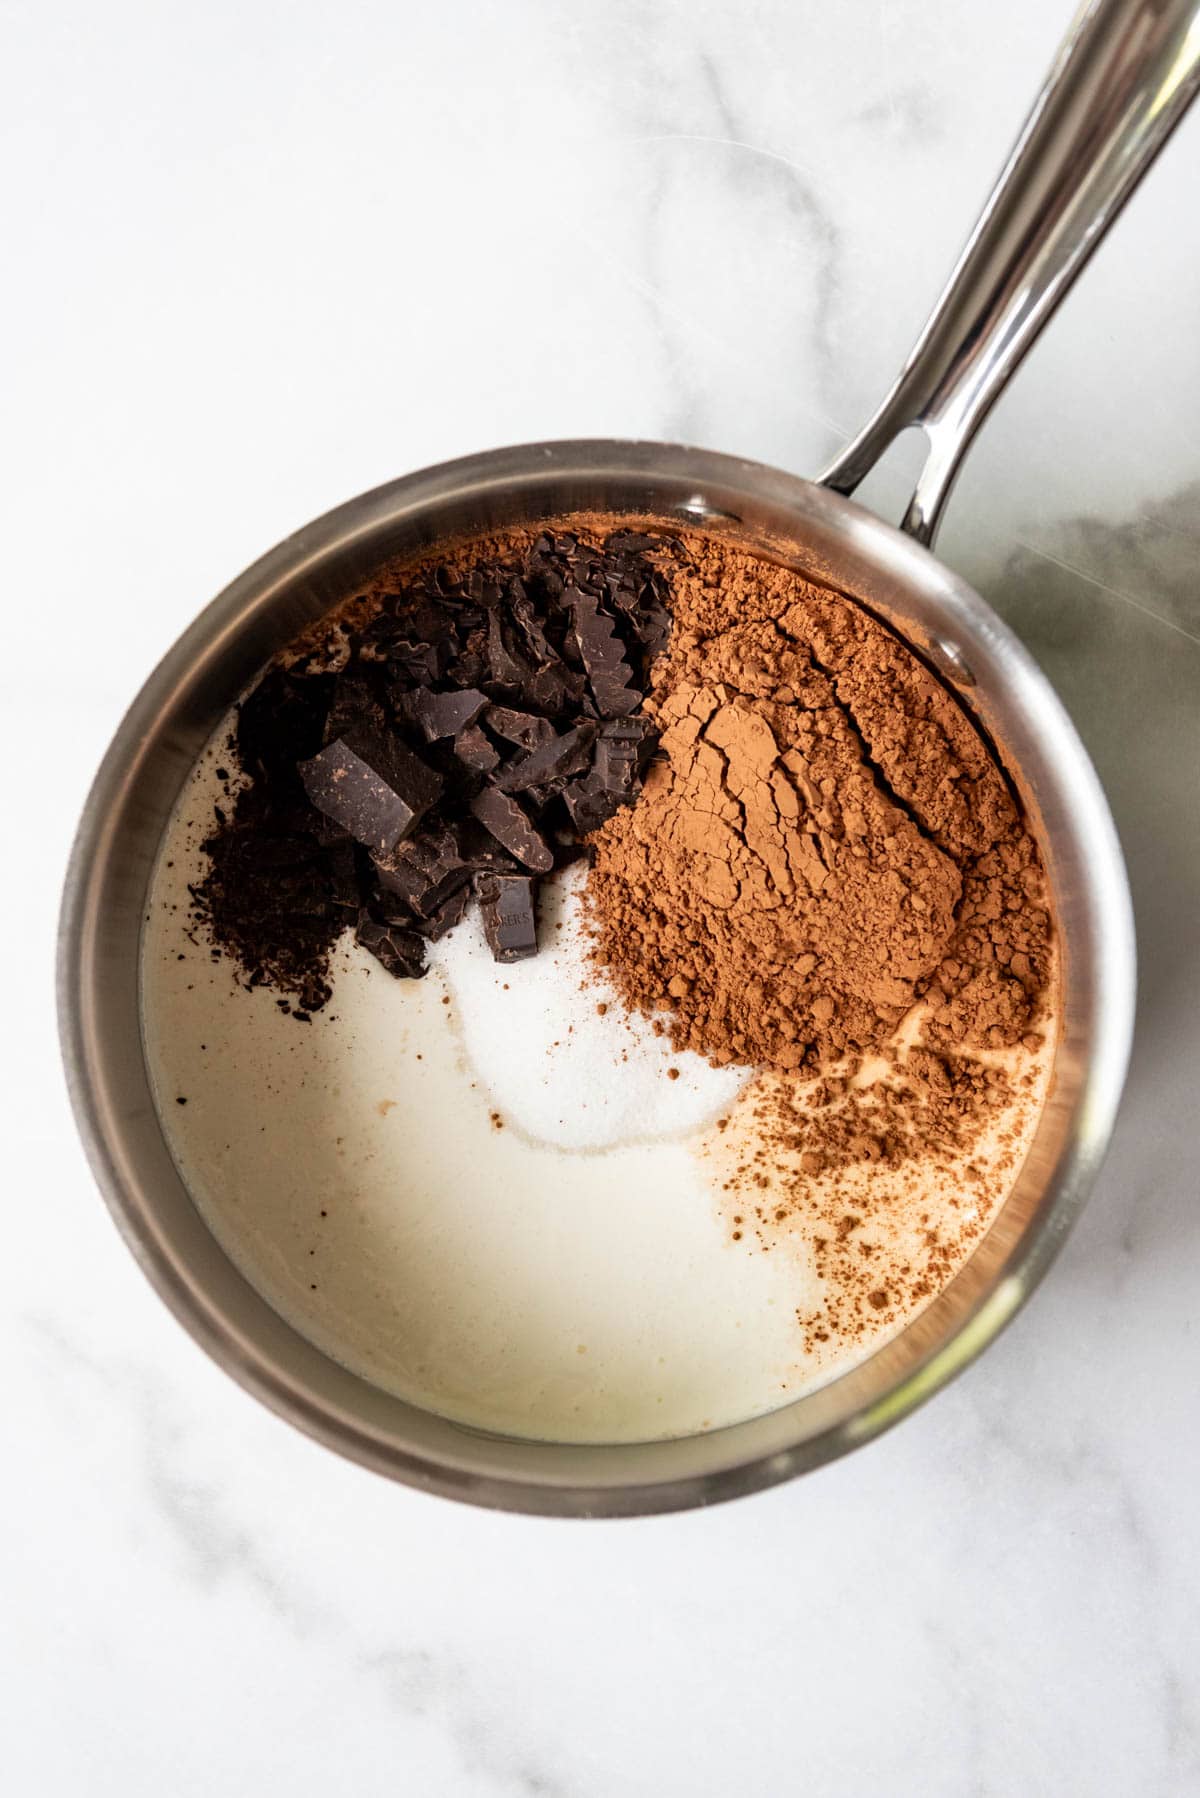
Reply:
x=1119 y=85
x=1121 y=82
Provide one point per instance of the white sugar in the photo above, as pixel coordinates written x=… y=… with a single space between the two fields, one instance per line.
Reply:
x=558 y=1067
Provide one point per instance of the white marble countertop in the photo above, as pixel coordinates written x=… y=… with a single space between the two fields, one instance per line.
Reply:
x=261 y=257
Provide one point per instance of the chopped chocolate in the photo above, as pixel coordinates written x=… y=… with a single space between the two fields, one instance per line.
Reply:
x=509 y=824
x=474 y=750
x=321 y=829
x=557 y=689
x=603 y=654
x=478 y=722
x=553 y=760
x=470 y=667
x=525 y=729
x=400 y=951
x=370 y=784
x=417 y=644
x=506 y=902
x=622 y=745
x=589 y=804
x=285 y=852
x=482 y=853
x=509 y=669
x=444 y=714
x=388 y=908
x=424 y=872
x=531 y=629
x=450 y=912
x=299 y=893
x=644 y=612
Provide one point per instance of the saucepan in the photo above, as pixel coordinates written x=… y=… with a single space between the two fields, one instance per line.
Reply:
x=1121 y=82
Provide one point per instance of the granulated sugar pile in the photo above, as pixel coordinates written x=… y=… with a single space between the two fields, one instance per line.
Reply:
x=563 y=1061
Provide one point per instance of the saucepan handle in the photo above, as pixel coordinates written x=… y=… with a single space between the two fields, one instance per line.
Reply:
x=1120 y=84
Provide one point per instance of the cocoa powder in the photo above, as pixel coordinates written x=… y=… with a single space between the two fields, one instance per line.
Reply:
x=828 y=878
x=824 y=840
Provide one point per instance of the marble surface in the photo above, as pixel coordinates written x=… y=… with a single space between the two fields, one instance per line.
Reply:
x=261 y=257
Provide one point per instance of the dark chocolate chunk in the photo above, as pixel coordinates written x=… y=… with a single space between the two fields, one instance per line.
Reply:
x=621 y=748
x=388 y=908
x=519 y=678
x=589 y=804
x=531 y=630
x=434 y=926
x=412 y=660
x=371 y=785
x=400 y=951
x=641 y=603
x=510 y=825
x=603 y=653
x=424 y=872
x=439 y=715
x=470 y=667
x=525 y=729
x=482 y=853
x=553 y=760
x=509 y=920
x=473 y=749
x=508 y=668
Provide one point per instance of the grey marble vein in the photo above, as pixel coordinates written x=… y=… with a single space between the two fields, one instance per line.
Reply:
x=440 y=1686
x=195 y=1512
x=689 y=110
x=432 y=1683
x=907 y=115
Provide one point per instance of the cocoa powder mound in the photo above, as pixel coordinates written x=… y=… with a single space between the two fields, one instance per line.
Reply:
x=824 y=839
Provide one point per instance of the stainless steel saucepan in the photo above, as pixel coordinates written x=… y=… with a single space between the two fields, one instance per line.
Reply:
x=1120 y=84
